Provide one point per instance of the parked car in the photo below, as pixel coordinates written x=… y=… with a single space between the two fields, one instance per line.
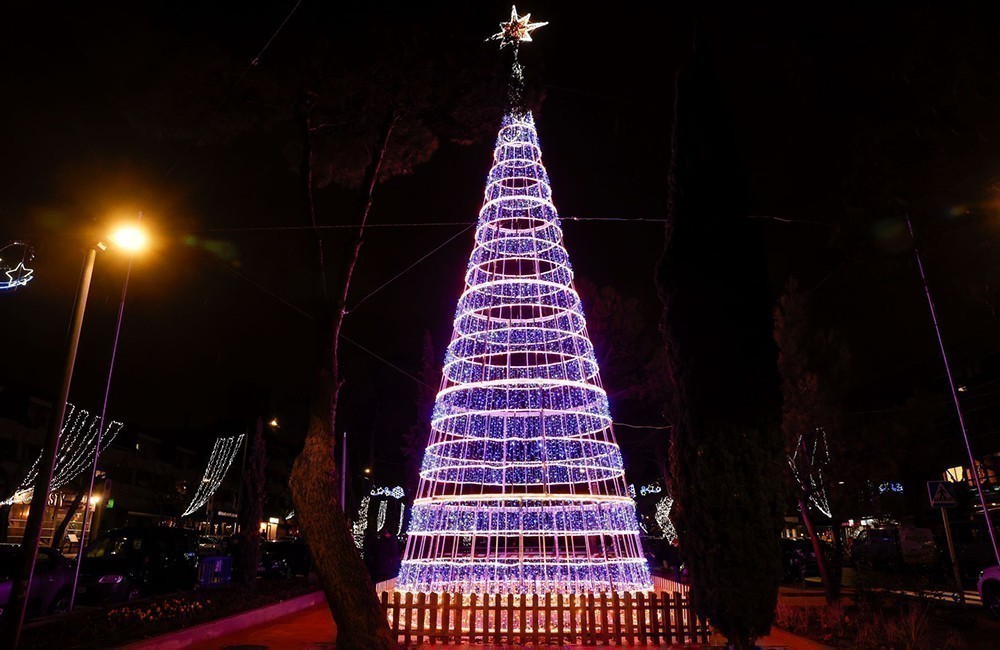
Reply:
x=50 y=584
x=209 y=546
x=894 y=547
x=989 y=590
x=283 y=558
x=798 y=560
x=129 y=563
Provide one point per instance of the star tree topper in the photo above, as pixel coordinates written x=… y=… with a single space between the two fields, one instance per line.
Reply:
x=516 y=30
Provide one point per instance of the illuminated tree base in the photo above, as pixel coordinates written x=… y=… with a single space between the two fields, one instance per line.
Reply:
x=582 y=574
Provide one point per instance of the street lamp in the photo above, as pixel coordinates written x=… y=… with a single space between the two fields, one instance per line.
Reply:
x=131 y=239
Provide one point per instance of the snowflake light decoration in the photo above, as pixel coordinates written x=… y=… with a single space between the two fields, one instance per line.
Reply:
x=662 y=517
x=516 y=30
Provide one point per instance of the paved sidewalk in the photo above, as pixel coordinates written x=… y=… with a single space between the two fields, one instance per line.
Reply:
x=310 y=629
x=313 y=629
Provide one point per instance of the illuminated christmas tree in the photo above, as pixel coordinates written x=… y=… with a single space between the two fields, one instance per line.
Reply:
x=522 y=486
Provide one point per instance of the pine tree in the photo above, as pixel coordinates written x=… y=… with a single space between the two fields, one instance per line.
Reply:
x=725 y=451
x=415 y=438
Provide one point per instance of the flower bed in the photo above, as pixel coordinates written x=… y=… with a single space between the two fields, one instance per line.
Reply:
x=113 y=626
x=887 y=623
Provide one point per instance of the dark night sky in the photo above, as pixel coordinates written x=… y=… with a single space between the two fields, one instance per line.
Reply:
x=847 y=118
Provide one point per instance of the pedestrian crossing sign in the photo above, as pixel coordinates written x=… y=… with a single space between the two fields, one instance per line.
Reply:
x=941 y=494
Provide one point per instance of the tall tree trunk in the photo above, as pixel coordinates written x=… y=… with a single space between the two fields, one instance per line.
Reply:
x=4 y=509
x=314 y=481
x=821 y=561
x=4 y=523
x=252 y=508
x=831 y=588
x=60 y=532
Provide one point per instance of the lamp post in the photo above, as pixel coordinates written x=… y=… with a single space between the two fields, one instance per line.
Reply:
x=130 y=239
x=955 y=390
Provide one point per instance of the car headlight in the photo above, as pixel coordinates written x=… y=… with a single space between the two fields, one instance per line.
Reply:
x=110 y=580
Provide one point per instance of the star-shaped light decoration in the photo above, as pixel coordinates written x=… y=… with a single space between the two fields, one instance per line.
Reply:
x=516 y=30
x=19 y=276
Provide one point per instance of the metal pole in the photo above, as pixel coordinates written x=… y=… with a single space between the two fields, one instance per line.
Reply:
x=954 y=394
x=954 y=559
x=343 y=473
x=100 y=436
x=40 y=495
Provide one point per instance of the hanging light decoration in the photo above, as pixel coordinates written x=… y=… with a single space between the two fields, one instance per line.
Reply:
x=361 y=525
x=77 y=444
x=223 y=452
x=808 y=464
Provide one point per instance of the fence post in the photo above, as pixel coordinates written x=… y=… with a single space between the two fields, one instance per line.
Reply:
x=406 y=614
x=395 y=616
x=458 y=617
x=640 y=614
x=443 y=630
x=692 y=620
x=678 y=616
x=510 y=618
x=497 y=620
x=523 y=622
x=422 y=611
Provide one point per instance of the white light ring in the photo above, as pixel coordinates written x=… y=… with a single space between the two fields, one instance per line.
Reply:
x=481 y=319
x=574 y=560
x=497 y=288
x=511 y=153
x=514 y=518
x=553 y=475
x=551 y=498
x=503 y=338
x=547 y=395
x=519 y=188
x=588 y=449
x=478 y=366
x=493 y=236
x=588 y=425
x=530 y=202
x=462 y=404
x=500 y=245
x=555 y=274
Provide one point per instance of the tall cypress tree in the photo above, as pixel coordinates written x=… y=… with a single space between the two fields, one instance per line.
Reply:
x=725 y=451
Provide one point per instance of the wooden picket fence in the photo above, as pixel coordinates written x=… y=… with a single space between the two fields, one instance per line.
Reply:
x=596 y=619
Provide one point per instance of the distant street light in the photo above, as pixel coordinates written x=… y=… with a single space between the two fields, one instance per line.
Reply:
x=131 y=239
x=274 y=423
